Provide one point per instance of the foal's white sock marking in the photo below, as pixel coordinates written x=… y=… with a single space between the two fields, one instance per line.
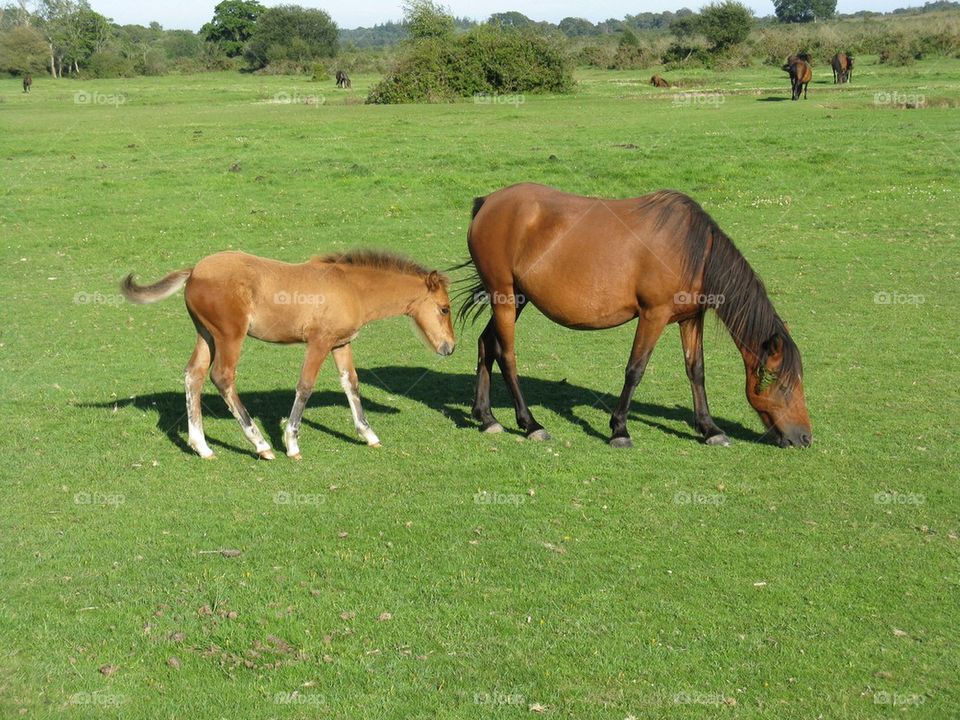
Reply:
x=196 y=440
x=363 y=427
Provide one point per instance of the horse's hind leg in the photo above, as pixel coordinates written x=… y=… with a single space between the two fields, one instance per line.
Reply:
x=194 y=376
x=224 y=375
x=649 y=329
x=316 y=354
x=505 y=316
x=691 y=336
x=488 y=350
x=343 y=357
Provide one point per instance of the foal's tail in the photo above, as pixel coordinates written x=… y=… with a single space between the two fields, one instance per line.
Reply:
x=143 y=294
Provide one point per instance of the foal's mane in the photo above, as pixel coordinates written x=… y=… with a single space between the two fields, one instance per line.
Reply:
x=742 y=301
x=376 y=259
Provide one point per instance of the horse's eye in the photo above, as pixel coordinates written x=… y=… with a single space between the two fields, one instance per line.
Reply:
x=444 y=311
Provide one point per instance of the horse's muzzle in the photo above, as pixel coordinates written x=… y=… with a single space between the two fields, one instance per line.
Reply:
x=796 y=437
x=446 y=348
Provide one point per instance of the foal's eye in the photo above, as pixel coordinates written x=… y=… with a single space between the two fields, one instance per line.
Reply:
x=444 y=311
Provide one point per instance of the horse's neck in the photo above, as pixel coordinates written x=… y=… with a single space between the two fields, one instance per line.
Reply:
x=386 y=293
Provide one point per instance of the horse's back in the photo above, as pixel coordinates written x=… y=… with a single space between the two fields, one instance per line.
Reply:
x=584 y=261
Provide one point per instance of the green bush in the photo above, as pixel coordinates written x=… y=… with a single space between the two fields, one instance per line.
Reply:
x=108 y=63
x=486 y=60
x=682 y=55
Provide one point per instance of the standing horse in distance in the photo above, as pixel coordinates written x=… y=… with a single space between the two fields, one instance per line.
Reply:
x=343 y=80
x=27 y=82
x=323 y=302
x=842 y=65
x=590 y=263
x=798 y=66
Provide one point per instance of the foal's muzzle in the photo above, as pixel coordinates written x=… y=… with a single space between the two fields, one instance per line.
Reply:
x=796 y=437
x=446 y=348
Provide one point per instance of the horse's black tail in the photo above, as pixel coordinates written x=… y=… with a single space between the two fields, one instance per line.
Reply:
x=473 y=295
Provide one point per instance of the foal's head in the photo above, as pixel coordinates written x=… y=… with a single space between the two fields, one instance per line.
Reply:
x=431 y=314
x=775 y=390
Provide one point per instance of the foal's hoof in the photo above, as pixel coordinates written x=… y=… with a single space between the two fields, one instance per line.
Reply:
x=375 y=445
x=295 y=456
x=492 y=429
x=540 y=434
x=267 y=455
x=621 y=442
x=721 y=440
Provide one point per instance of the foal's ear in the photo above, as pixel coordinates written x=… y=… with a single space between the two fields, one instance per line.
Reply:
x=434 y=281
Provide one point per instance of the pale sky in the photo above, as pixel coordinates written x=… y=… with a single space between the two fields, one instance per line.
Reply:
x=191 y=14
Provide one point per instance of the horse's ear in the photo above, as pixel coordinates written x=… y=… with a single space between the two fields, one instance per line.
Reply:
x=434 y=281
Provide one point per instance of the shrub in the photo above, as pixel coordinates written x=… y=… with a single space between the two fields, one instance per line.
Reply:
x=488 y=59
x=724 y=24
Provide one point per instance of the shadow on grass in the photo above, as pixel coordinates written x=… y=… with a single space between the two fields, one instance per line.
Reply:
x=773 y=98
x=448 y=393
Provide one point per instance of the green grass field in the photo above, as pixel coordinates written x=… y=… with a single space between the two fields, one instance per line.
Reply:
x=452 y=574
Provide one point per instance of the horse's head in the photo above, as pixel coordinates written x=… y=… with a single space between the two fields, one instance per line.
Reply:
x=775 y=390
x=431 y=314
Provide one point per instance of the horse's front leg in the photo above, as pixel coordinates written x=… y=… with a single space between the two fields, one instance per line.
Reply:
x=649 y=329
x=505 y=316
x=691 y=336
x=316 y=354
x=343 y=357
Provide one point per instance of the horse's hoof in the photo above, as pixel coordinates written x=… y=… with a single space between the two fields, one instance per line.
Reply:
x=539 y=435
x=295 y=456
x=267 y=455
x=376 y=444
x=492 y=429
x=211 y=456
x=721 y=440
x=621 y=442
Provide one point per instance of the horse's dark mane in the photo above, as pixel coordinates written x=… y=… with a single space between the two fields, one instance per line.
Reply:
x=377 y=259
x=730 y=285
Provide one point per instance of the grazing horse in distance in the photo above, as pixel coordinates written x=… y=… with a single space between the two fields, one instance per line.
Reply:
x=841 y=64
x=343 y=80
x=800 y=76
x=659 y=82
x=593 y=263
x=27 y=82
x=323 y=302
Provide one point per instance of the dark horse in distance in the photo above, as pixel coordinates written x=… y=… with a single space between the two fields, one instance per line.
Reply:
x=842 y=65
x=591 y=263
x=798 y=66
x=27 y=82
x=343 y=80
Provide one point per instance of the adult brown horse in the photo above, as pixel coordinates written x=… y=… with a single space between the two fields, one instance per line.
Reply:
x=323 y=302
x=589 y=263
x=27 y=82
x=659 y=82
x=800 y=77
x=842 y=64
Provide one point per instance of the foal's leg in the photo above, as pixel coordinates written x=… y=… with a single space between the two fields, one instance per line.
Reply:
x=194 y=376
x=504 y=322
x=343 y=357
x=488 y=350
x=316 y=354
x=648 y=332
x=691 y=336
x=224 y=375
